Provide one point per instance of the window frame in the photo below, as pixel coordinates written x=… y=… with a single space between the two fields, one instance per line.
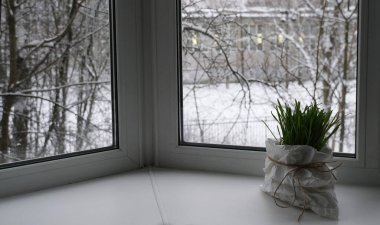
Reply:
x=147 y=60
x=173 y=154
x=94 y=163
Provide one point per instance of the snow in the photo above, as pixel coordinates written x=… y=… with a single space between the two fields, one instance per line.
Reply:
x=218 y=114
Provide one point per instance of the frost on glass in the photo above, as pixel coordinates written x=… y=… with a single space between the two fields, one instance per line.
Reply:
x=240 y=56
x=55 y=78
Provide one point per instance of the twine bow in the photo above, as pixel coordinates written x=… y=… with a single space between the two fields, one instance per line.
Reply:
x=293 y=174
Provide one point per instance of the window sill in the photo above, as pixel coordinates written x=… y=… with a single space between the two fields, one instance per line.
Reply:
x=191 y=197
x=166 y=196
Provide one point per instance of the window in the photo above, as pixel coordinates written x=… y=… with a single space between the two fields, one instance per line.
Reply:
x=148 y=62
x=56 y=74
x=76 y=166
x=359 y=168
x=226 y=97
x=280 y=40
x=259 y=37
x=244 y=37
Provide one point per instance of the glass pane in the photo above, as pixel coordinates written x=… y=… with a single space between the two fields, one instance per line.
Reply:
x=55 y=78
x=296 y=49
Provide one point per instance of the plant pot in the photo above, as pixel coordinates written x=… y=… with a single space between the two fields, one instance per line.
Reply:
x=300 y=176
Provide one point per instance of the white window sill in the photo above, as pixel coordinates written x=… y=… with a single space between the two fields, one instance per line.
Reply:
x=175 y=197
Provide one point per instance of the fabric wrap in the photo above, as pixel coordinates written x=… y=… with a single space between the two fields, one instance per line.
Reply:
x=306 y=187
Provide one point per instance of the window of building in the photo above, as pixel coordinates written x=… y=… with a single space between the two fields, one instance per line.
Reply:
x=57 y=79
x=259 y=37
x=280 y=40
x=234 y=35
x=247 y=36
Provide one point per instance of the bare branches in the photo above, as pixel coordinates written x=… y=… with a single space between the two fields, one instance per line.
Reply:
x=74 y=9
x=64 y=86
x=48 y=100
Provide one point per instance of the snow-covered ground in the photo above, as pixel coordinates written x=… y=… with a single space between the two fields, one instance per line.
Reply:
x=219 y=114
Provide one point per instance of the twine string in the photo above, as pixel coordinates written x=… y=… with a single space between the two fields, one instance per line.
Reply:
x=293 y=174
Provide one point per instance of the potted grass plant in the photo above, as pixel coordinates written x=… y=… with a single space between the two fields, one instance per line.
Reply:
x=298 y=169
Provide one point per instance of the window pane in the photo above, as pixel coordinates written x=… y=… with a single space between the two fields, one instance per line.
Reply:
x=295 y=49
x=55 y=78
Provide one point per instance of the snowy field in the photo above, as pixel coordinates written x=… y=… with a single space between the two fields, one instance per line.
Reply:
x=221 y=114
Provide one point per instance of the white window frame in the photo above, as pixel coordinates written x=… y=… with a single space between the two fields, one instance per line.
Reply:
x=128 y=156
x=362 y=169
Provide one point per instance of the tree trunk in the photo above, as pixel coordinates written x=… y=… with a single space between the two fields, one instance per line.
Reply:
x=342 y=102
x=63 y=78
x=20 y=126
x=327 y=53
x=8 y=101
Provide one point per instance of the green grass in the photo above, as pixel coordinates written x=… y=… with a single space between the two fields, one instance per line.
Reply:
x=309 y=126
